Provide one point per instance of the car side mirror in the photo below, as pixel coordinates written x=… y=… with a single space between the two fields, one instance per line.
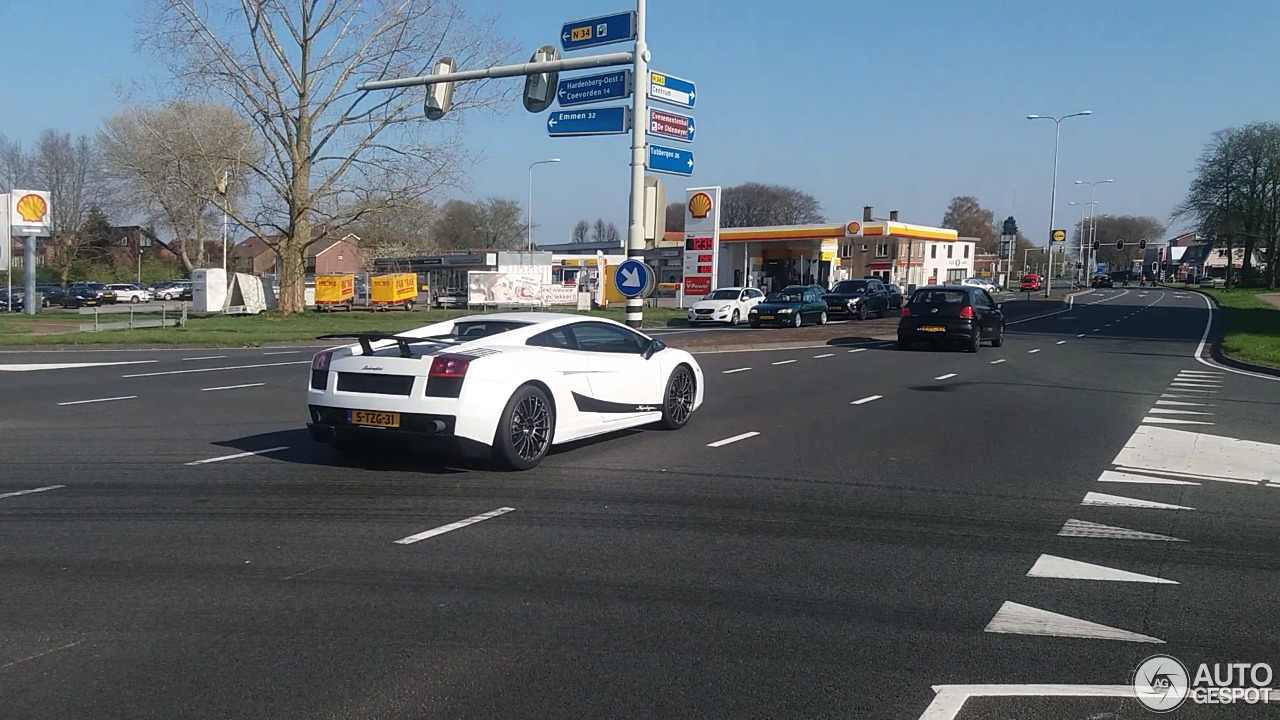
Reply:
x=1000 y=306
x=654 y=347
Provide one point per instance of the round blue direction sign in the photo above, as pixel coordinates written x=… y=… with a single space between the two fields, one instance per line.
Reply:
x=634 y=278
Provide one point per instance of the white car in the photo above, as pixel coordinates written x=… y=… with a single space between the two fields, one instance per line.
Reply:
x=983 y=283
x=130 y=293
x=506 y=385
x=725 y=305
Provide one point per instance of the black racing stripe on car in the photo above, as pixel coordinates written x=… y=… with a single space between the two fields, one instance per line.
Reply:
x=590 y=404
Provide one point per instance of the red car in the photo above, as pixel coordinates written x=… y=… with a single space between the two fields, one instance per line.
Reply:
x=1031 y=282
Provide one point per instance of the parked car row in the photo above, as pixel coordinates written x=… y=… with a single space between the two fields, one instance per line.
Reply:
x=92 y=294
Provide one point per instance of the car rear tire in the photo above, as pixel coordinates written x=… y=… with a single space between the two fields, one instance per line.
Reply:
x=999 y=339
x=975 y=342
x=677 y=401
x=903 y=345
x=735 y=319
x=525 y=429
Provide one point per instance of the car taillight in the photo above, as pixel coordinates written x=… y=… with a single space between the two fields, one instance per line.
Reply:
x=966 y=313
x=450 y=366
x=321 y=360
x=906 y=311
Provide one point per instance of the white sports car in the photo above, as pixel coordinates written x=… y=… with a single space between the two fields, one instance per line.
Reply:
x=506 y=386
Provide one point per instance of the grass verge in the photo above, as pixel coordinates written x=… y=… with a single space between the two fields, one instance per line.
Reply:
x=249 y=330
x=1252 y=326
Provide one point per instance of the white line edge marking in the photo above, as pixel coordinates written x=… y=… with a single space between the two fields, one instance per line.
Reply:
x=857 y=350
x=865 y=400
x=283 y=352
x=818 y=357
x=42 y=654
x=735 y=370
x=215 y=369
x=950 y=699
x=997 y=362
x=1204 y=339
x=232 y=387
x=238 y=455
x=948 y=376
x=734 y=439
x=34 y=490
x=98 y=400
x=453 y=526
x=784 y=362
x=207 y=357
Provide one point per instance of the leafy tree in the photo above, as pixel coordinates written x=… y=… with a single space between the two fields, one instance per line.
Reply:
x=489 y=224
x=967 y=217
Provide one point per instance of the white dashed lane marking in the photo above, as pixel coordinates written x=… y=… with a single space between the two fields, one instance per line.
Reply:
x=945 y=377
x=453 y=526
x=735 y=370
x=866 y=400
x=99 y=400
x=237 y=456
x=784 y=362
x=33 y=490
x=734 y=439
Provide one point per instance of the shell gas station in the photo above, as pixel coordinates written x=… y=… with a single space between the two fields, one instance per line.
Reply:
x=773 y=257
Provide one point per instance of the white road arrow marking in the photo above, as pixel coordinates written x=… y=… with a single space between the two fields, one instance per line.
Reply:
x=1016 y=619
x=1111 y=476
x=1102 y=499
x=1051 y=566
x=1083 y=529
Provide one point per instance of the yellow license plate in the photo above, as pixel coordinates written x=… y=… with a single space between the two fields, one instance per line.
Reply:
x=375 y=419
x=933 y=328
x=766 y=317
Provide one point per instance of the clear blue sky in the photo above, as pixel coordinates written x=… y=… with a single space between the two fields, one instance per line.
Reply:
x=899 y=105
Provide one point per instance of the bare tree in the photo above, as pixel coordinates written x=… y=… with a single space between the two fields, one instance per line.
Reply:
x=69 y=169
x=675 y=217
x=172 y=159
x=398 y=232
x=1128 y=228
x=14 y=166
x=332 y=152
x=759 y=205
x=967 y=217
x=581 y=232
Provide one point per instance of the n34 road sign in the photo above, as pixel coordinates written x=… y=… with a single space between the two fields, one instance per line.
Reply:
x=669 y=160
x=586 y=89
x=603 y=30
x=670 y=125
x=671 y=90
x=595 y=121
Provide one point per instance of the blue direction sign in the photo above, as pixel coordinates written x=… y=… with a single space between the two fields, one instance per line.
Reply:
x=586 y=89
x=603 y=30
x=633 y=278
x=594 y=121
x=671 y=90
x=670 y=160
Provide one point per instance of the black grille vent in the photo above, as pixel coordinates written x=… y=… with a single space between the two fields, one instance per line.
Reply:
x=375 y=384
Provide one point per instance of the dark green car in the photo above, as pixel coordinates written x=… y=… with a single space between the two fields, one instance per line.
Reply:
x=791 y=306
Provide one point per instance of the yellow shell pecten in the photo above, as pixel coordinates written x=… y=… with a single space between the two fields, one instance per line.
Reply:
x=32 y=208
x=700 y=205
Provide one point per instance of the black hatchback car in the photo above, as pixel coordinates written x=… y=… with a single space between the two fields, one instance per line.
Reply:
x=951 y=314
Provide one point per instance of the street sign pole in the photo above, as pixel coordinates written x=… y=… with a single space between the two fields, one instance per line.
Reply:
x=639 y=152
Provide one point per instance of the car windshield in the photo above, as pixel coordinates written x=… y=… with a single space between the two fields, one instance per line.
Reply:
x=940 y=297
x=851 y=287
x=722 y=295
x=787 y=295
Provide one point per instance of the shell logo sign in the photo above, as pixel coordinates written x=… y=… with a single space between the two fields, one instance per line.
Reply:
x=700 y=205
x=31 y=208
x=29 y=212
x=853 y=228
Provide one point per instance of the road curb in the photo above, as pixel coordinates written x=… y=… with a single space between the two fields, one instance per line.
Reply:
x=1215 y=347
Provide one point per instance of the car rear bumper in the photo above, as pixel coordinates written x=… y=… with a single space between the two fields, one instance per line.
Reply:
x=953 y=332
x=418 y=430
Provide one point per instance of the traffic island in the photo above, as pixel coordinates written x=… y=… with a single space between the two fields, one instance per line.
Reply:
x=1249 y=329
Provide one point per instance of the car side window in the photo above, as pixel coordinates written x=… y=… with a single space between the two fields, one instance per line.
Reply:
x=986 y=297
x=600 y=337
x=978 y=299
x=556 y=338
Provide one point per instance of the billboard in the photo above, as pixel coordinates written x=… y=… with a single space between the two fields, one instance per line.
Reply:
x=499 y=288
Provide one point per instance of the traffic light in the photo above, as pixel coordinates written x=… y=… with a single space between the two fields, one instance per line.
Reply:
x=1142 y=244
x=1096 y=245
x=1119 y=244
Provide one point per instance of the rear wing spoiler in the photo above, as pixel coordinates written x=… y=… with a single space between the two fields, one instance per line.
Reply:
x=366 y=340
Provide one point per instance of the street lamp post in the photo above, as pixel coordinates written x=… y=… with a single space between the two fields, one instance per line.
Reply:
x=1053 y=195
x=1086 y=243
x=531 y=166
x=1093 y=221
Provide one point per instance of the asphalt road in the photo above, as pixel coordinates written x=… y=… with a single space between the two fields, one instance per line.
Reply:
x=889 y=544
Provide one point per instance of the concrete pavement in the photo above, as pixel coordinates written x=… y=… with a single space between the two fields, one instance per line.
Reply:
x=838 y=532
